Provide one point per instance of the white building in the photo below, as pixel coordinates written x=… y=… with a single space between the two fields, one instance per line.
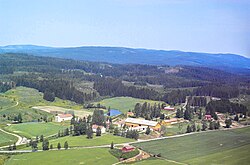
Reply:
x=63 y=117
x=94 y=128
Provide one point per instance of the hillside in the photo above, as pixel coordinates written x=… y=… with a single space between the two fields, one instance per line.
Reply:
x=121 y=55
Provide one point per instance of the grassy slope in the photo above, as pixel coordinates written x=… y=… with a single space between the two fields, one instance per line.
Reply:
x=124 y=103
x=30 y=130
x=75 y=141
x=6 y=139
x=27 y=98
x=199 y=145
x=65 y=157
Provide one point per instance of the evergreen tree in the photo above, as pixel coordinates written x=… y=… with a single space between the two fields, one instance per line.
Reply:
x=189 y=129
x=89 y=132
x=41 y=138
x=14 y=146
x=236 y=118
x=51 y=147
x=228 y=123
x=66 y=146
x=204 y=126
x=147 y=131
x=45 y=144
x=58 y=146
x=211 y=125
x=116 y=131
x=98 y=131
x=112 y=145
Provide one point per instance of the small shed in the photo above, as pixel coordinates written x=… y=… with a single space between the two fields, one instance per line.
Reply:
x=128 y=148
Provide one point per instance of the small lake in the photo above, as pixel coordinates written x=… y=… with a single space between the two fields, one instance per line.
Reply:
x=114 y=112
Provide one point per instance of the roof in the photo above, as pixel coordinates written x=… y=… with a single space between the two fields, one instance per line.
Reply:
x=65 y=115
x=140 y=121
x=171 y=120
x=128 y=147
x=168 y=108
x=96 y=126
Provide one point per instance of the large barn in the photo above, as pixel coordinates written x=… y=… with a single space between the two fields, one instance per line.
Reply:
x=133 y=122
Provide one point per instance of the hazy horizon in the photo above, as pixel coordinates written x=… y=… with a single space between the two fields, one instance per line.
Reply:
x=190 y=26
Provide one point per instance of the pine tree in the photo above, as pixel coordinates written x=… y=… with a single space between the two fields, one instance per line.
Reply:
x=112 y=145
x=58 y=146
x=147 y=131
x=66 y=146
x=98 y=131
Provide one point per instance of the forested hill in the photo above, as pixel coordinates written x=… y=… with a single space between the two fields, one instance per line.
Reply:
x=120 y=55
x=83 y=81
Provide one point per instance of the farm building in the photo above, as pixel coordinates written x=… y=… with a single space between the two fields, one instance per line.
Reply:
x=133 y=122
x=169 y=108
x=63 y=117
x=128 y=148
x=170 y=121
x=94 y=128
x=208 y=117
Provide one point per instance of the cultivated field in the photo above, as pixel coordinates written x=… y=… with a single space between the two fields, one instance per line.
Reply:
x=33 y=129
x=65 y=157
x=124 y=103
x=75 y=141
x=203 y=148
x=50 y=109
x=6 y=139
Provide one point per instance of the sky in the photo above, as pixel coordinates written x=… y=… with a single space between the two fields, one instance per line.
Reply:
x=213 y=26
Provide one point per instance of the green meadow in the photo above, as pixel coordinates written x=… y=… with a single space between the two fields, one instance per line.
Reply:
x=64 y=157
x=204 y=148
x=6 y=139
x=33 y=129
x=124 y=103
x=26 y=99
x=76 y=141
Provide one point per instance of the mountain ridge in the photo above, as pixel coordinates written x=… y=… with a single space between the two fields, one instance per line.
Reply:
x=124 y=55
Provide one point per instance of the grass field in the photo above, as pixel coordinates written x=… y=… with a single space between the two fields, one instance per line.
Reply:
x=75 y=141
x=2 y=159
x=155 y=161
x=6 y=139
x=124 y=103
x=99 y=156
x=206 y=145
x=28 y=98
x=31 y=130
x=5 y=102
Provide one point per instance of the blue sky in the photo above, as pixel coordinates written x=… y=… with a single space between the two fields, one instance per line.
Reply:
x=215 y=26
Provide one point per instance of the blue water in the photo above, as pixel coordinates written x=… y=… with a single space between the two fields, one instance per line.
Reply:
x=114 y=112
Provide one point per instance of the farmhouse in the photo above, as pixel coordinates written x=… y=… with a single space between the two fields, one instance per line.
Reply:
x=94 y=128
x=208 y=117
x=63 y=117
x=132 y=122
x=128 y=148
x=169 y=108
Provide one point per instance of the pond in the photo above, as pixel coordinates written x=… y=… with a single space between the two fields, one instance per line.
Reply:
x=114 y=112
